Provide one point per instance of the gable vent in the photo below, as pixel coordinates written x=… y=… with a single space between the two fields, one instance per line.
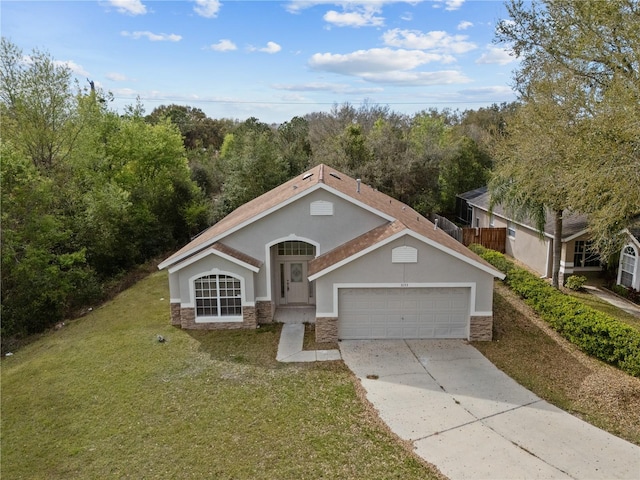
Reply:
x=404 y=255
x=321 y=208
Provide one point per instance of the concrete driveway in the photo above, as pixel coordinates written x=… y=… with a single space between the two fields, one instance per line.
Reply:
x=472 y=421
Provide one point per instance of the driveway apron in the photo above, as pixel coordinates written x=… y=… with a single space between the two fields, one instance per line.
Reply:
x=472 y=421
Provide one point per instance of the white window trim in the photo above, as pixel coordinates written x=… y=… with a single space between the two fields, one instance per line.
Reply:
x=590 y=268
x=267 y=256
x=634 y=273
x=511 y=227
x=216 y=319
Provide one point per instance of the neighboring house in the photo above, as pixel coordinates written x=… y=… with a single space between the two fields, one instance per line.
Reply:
x=524 y=241
x=629 y=265
x=372 y=266
x=525 y=244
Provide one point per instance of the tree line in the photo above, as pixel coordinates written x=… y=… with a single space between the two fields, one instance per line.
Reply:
x=88 y=194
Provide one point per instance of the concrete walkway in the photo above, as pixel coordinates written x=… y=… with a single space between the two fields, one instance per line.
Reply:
x=621 y=303
x=290 y=347
x=472 y=421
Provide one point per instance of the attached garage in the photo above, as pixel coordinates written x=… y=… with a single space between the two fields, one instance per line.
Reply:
x=394 y=313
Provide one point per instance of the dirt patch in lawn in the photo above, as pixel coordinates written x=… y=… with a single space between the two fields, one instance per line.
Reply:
x=532 y=353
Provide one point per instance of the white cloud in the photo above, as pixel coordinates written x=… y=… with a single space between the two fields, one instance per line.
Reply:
x=326 y=87
x=207 y=8
x=73 y=66
x=498 y=91
x=449 y=4
x=153 y=37
x=388 y=66
x=464 y=25
x=369 y=61
x=130 y=7
x=125 y=92
x=295 y=6
x=224 y=45
x=444 y=77
x=272 y=47
x=434 y=40
x=407 y=16
x=496 y=55
x=453 y=4
x=116 y=77
x=364 y=18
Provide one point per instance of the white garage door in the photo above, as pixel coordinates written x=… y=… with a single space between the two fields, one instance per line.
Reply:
x=369 y=313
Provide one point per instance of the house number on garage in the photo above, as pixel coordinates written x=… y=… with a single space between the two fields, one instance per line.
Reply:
x=404 y=284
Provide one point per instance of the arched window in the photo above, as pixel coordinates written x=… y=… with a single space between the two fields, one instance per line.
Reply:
x=627 y=266
x=218 y=296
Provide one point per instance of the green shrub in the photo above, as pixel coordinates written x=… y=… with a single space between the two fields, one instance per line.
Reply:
x=594 y=332
x=575 y=282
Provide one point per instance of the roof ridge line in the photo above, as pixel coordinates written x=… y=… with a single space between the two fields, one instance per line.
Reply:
x=321 y=174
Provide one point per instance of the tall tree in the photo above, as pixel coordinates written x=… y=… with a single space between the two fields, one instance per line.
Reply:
x=252 y=163
x=594 y=47
x=38 y=105
x=294 y=142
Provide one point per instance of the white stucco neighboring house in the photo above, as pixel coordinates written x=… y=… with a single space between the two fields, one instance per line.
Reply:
x=371 y=266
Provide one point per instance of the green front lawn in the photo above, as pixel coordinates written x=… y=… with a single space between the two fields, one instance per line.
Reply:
x=102 y=398
x=605 y=307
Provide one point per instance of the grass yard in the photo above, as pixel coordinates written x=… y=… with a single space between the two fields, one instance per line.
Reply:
x=605 y=307
x=530 y=352
x=102 y=398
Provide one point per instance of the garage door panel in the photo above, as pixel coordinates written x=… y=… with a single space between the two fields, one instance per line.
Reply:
x=370 y=313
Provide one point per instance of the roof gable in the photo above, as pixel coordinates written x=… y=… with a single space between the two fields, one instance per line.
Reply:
x=223 y=251
x=379 y=237
x=400 y=217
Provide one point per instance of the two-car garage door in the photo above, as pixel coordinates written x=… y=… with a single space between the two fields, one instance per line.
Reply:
x=373 y=313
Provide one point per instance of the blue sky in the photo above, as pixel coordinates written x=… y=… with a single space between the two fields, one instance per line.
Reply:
x=274 y=59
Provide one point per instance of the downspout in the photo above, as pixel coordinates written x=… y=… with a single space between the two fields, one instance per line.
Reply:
x=547 y=273
x=557 y=247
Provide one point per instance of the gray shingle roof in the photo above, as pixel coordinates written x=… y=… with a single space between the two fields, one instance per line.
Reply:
x=402 y=217
x=572 y=223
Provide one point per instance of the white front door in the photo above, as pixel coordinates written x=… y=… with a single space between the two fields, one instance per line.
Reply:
x=297 y=285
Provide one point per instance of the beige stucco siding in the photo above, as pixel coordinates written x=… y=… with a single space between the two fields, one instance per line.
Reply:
x=348 y=221
x=530 y=249
x=527 y=246
x=433 y=267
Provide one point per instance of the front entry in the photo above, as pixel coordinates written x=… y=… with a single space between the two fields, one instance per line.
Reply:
x=296 y=283
x=291 y=280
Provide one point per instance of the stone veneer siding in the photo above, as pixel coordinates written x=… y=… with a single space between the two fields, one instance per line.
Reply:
x=175 y=314
x=265 y=312
x=188 y=320
x=326 y=329
x=481 y=329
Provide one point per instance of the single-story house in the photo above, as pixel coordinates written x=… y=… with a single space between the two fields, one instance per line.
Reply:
x=525 y=244
x=371 y=266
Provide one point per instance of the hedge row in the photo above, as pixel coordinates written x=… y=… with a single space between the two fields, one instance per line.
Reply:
x=594 y=332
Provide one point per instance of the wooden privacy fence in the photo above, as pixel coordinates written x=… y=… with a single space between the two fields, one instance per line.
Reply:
x=448 y=226
x=493 y=238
